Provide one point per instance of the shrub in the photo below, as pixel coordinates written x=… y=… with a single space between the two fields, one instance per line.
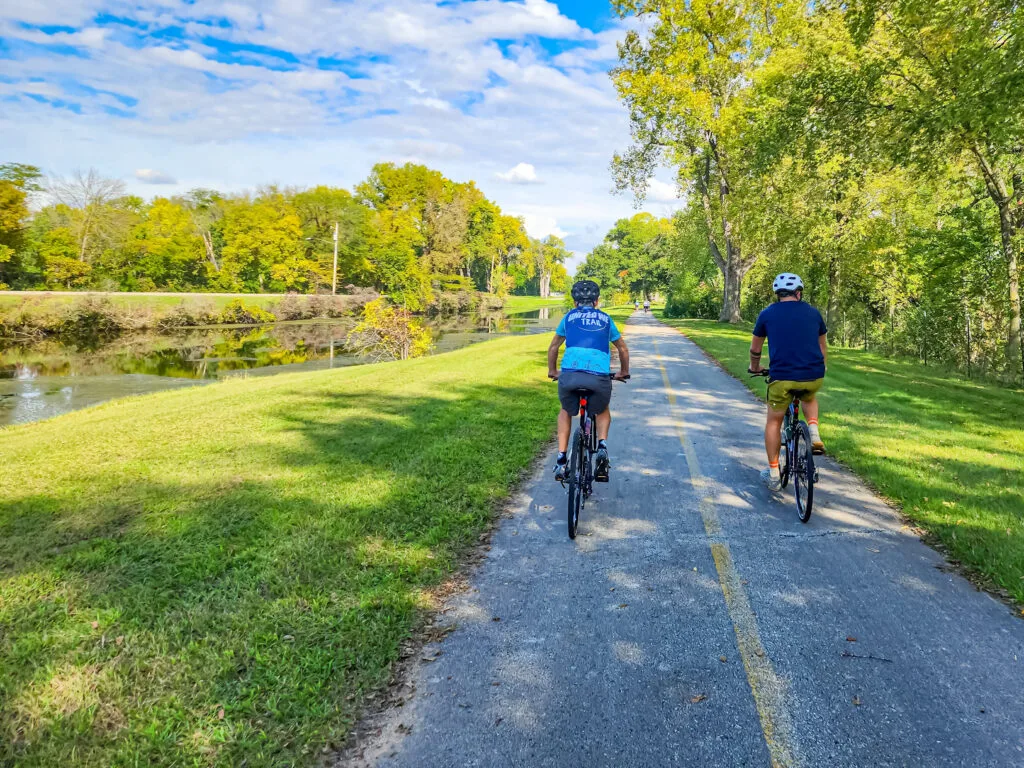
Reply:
x=186 y=315
x=236 y=312
x=389 y=333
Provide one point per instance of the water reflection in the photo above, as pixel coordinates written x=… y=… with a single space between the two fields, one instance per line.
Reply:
x=45 y=379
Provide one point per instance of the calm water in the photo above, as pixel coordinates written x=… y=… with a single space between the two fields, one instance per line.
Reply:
x=49 y=378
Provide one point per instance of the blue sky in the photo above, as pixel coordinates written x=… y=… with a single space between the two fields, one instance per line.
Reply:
x=232 y=94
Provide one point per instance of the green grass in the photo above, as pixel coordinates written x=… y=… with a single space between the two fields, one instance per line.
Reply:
x=515 y=304
x=949 y=451
x=44 y=300
x=219 y=575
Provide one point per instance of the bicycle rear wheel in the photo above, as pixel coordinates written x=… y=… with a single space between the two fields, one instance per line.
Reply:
x=786 y=460
x=803 y=471
x=577 y=481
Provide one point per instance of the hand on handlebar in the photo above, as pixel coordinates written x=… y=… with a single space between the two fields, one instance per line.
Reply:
x=621 y=376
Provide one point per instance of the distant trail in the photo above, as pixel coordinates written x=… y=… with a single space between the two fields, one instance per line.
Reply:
x=845 y=642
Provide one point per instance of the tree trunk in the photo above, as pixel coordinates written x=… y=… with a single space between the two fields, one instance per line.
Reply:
x=545 y=284
x=490 y=276
x=997 y=189
x=208 y=244
x=733 y=281
x=832 y=309
x=1008 y=230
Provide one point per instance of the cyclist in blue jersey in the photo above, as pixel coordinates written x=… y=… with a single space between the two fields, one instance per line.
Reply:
x=588 y=334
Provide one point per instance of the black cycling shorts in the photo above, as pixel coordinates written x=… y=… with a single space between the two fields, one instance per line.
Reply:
x=600 y=387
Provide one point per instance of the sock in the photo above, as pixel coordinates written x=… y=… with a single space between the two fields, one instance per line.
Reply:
x=812 y=425
x=602 y=444
x=561 y=458
x=773 y=468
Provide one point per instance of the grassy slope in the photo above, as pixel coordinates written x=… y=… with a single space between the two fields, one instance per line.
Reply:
x=515 y=304
x=949 y=451
x=218 y=575
x=44 y=300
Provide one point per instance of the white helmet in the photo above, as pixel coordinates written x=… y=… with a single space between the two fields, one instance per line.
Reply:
x=787 y=281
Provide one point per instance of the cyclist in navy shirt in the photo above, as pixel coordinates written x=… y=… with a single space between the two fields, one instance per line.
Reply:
x=588 y=334
x=797 y=348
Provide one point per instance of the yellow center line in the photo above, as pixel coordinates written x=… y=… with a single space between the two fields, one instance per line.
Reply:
x=765 y=685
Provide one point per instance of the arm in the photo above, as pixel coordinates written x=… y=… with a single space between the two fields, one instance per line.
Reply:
x=556 y=344
x=756 y=346
x=623 y=350
x=823 y=343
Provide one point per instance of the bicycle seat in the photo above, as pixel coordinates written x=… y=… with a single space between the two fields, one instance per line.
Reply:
x=582 y=391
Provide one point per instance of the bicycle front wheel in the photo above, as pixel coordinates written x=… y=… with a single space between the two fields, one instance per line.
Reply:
x=577 y=481
x=803 y=471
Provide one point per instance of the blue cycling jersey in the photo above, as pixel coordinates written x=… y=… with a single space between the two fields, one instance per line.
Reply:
x=588 y=333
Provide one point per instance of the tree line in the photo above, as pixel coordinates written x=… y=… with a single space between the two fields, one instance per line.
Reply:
x=876 y=147
x=405 y=230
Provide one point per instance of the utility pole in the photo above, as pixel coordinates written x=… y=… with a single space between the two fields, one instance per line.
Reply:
x=334 y=280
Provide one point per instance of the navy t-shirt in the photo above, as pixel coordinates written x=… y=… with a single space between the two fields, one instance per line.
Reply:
x=793 y=328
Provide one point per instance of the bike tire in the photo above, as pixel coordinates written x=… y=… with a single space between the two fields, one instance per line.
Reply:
x=803 y=471
x=785 y=462
x=577 y=482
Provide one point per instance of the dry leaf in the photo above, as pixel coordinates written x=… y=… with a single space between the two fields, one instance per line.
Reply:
x=856 y=700
x=623 y=605
x=759 y=653
x=698 y=698
x=119 y=640
x=220 y=713
x=496 y=618
x=495 y=683
x=722 y=659
x=851 y=639
x=95 y=625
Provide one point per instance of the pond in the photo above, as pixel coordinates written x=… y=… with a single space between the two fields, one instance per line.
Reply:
x=49 y=378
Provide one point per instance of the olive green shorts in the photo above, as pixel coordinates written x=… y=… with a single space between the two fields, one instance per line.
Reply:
x=780 y=393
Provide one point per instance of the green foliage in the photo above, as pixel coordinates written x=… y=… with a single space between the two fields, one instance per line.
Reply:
x=634 y=259
x=873 y=148
x=237 y=312
x=389 y=333
x=404 y=230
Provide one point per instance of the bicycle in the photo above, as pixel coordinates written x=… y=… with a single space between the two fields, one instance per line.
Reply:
x=580 y=461
x=799 y=455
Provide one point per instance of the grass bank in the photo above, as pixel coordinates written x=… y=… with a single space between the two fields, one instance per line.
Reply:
x=514 y=304
x=218 y=576
x=949 y=451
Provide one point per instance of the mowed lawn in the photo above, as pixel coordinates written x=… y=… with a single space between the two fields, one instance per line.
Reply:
x=949 y=451
x=217 y=576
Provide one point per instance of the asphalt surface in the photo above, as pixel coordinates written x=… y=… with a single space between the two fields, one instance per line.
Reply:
x=695 y=621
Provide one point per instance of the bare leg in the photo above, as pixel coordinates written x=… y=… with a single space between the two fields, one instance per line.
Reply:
x=564 y=427
x=604 y=421
x=773 y=435
x=810 y=410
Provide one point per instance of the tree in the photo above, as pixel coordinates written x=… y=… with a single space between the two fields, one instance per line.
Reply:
x=263 y=246
x=319 y=209
x=89 y=196
x=687 y=85
x=935 y=81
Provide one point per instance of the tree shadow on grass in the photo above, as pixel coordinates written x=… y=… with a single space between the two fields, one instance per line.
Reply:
x=279 y=593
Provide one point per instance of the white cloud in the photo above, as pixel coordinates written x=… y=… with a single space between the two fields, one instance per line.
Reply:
x=422 y=81
x=150 y=176
x=523 y=173
x=660 y=192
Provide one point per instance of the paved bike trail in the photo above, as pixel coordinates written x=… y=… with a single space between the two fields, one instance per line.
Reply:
x=696 y=622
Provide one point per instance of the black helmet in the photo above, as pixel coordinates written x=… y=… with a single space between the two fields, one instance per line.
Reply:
x=586 y=292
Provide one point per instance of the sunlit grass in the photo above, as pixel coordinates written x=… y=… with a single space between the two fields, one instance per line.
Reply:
x=218 y=576
x=949 y=451
x=514 y=304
